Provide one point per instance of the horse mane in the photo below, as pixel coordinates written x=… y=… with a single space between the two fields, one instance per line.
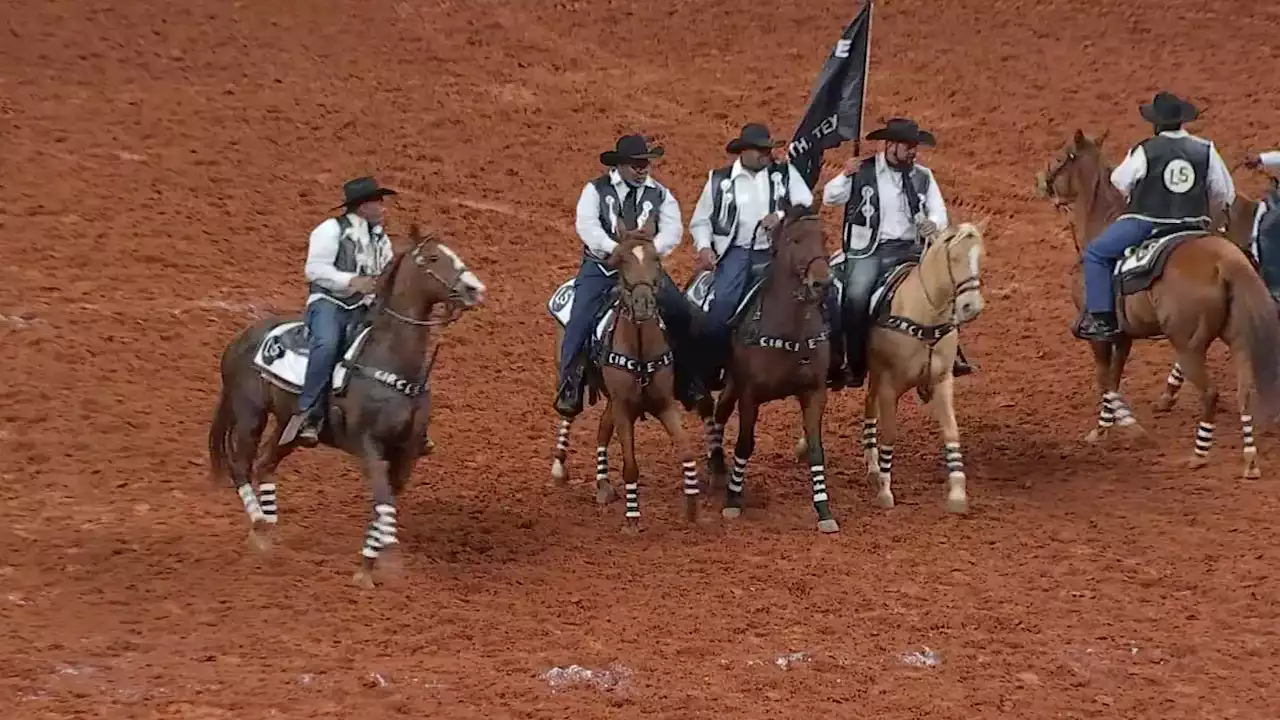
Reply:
x=387 y=280
x=1102 y=195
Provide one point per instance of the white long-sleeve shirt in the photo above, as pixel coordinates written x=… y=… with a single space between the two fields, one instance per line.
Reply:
x=895 y=215
x=751 y=192
x=1270 y=160
x=1222 y=189
x=597 y=240
x=373 y=252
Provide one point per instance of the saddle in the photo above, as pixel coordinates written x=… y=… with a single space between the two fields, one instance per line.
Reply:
x=891 y=275
x=1144 y=263
x=284 y=352
x=698 y=291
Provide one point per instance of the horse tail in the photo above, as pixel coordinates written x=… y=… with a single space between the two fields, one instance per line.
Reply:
x=1255 y=329
x=220 y=434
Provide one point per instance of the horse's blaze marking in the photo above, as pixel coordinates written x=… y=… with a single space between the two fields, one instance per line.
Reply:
x=973 y=259
x=638 y=252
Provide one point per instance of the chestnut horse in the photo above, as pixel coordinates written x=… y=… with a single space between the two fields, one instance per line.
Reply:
x=914 y=347
x=1208 y=290
x=1238 y=228
x=780 y=350
x=379 y=414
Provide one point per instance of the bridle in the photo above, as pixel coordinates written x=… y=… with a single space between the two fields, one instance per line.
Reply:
x=454 y=285
x=1051 y=177
x=802 y=270
x=969 y=284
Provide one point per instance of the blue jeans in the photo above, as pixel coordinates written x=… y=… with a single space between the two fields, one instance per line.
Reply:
x=1099 y=260
x=729 y=283
x=589 y=289
x=327 y=324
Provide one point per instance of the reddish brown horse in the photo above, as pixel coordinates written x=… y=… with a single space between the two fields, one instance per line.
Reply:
x=379 y=410
x=637 y=370
x=1238 y=227
x=1207 y=290
x=780 y=350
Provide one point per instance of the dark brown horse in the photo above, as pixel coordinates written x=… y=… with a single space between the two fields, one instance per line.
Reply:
x=780 y=350
x=637 y=372
x=378 y=414
x=1207 y=290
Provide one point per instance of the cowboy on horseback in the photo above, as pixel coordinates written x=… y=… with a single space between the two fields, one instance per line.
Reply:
x=1266 y=222
x=345 y=256
x=629 y=197
x=740 y=206
x=899 y=208
x=1170 y=179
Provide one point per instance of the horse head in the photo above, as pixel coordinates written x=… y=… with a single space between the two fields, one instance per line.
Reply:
x=636 y=260
x=1067 y=177
x=958 y=253
x=442 y=277
x=801 y=255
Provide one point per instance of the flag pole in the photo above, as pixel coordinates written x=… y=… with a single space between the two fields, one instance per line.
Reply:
x=866 y=78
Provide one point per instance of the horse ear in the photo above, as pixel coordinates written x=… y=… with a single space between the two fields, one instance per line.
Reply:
x=983 y=224
x=415 y=233
x=1102 y=138
x=1079 y=139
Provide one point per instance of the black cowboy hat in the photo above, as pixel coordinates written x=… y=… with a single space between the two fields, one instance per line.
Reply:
x=754 y=136
x=1168 y=109
x=362 y=189
x=629 y=148
x=903 y=130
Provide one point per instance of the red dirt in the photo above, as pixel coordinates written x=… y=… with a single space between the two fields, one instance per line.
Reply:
x=163 y=164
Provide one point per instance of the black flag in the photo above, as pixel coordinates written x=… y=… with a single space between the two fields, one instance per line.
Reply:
x=834 y=113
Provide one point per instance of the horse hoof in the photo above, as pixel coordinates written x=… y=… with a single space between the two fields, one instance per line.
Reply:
x=828 y=526
x=873 y=479
x=959 y=506
x=631 y=527
x=558 y=472
x=363 y=579
x=802 y=449
x=1252 y=473
x=691 y=508
x=1197 y=461
x=260 y=536
x=1163 y=404
x=731 y=513
x=884 y=499
x=606 y=495
x=390 y=561
x=1131 y=426
x=1095 y=435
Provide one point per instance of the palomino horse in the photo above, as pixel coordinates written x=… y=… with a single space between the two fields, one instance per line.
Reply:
x=380 y=403
x=780 y=350
x=1238 y=228
x=1191 y=287
x=913 y=346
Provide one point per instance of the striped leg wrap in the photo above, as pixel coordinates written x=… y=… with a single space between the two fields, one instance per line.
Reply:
x=1246 y=425
x=951 y=454
x=633 y=501
x=819 y=475
x=1204 y=438
x=382 y=531
x=602 y=464
x=690 y=477
x=715 y=435
x=869 y=434
x=562 y=435
x=736 y=474
x=886 y=459
x=250 y=501
x=1175 y=379
x=267 y=492
x=1107 y=412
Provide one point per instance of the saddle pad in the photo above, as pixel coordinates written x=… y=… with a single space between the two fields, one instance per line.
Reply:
x=881 y=294
x=1145 y=263
x=287 y=368
x=700 y=293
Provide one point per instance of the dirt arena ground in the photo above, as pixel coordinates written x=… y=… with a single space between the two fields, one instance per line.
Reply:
x=161 y=165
